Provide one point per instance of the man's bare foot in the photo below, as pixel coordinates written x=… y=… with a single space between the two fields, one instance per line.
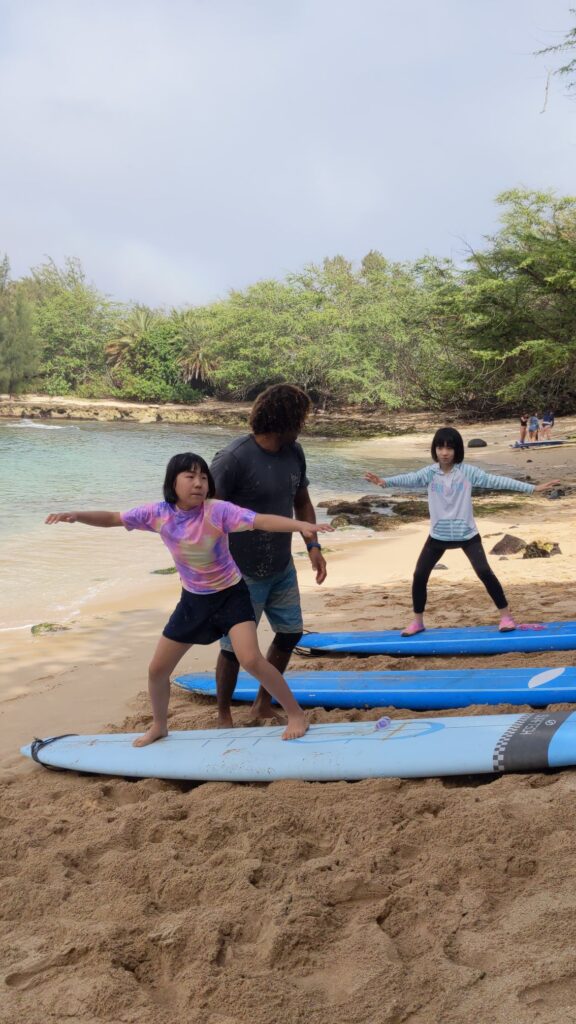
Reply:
x=225 y=720
x=265 y=709
x=297 y=726
x=275 y=719
x=154 y=733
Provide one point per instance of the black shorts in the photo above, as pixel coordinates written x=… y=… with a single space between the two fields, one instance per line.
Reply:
x=204 y=618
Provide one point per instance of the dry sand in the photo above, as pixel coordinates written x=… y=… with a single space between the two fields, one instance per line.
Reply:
x=381 y=901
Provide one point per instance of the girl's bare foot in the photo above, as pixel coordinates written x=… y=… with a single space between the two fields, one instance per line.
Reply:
x=297 y=726
x=155 y=732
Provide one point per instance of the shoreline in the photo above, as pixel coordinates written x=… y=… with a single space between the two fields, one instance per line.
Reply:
x=347 y=422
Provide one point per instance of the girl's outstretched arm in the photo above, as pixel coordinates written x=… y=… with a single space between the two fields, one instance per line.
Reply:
x=88 y=518
x=548 y=485
x=479 y=478
x=378 y=481
x=281 y=524
x=421 y=478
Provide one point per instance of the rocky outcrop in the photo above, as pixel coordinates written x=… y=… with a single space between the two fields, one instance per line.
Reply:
x=129 y=412
x=349 y=422
x=363 y=512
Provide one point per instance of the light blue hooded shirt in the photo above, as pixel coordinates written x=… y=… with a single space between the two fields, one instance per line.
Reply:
x=450 y=496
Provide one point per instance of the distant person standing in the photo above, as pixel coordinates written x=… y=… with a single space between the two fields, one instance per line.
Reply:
x=547 y=424
x=533 y=427
x=266 y=469
x=523 y=426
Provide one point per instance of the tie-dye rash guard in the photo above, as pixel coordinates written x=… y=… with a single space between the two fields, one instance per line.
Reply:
x=197 y=540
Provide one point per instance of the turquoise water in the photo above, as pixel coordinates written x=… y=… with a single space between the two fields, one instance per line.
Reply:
x=48 y=467
x=49 y=572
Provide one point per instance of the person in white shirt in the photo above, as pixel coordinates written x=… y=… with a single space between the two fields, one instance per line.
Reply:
x=452 y=524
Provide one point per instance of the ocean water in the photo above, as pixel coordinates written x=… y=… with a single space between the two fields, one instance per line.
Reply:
x=49 y=572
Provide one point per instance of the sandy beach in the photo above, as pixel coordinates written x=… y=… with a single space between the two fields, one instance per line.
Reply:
x=389 y=901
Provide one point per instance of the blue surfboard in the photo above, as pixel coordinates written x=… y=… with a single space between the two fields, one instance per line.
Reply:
x=552 y=636
x=542 y=444
x=418 y=691
x=405 y=748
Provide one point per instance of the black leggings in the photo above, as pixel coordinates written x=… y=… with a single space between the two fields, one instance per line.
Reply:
x=432 y=553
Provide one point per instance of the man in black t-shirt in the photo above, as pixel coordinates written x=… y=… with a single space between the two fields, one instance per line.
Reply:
x=266 y=472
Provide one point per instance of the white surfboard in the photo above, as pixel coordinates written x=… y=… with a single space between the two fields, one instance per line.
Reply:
x=347 y=750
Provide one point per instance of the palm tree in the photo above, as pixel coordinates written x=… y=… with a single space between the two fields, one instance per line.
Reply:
x=196 y=363
x=130 y=333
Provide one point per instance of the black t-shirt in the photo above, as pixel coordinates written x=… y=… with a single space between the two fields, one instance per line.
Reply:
x=265 y=482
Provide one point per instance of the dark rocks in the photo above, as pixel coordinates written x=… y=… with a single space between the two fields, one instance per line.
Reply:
x=353 y=508
x=509 y=545
x=335 y=508
x=364 y=512
x=411 y=510
x=339 y=521
x=477 y=442
x=48 y=627
x=541 y=549
x=373 y=521
x=369 y=520
x=374 y=499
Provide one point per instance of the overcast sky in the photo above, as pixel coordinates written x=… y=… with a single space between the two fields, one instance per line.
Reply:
x=181 y=148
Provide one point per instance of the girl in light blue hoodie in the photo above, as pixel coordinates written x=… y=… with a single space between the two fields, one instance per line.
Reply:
x=452 y=524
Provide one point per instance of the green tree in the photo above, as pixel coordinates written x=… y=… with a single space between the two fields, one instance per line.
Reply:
x=196 y=361
x=129 y=333
x=517 y=308
x=72 y=321
x=19 y=350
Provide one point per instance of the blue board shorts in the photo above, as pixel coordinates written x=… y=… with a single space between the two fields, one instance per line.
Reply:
x=278 y=597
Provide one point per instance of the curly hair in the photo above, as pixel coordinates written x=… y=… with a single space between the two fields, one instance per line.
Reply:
x=280 y=409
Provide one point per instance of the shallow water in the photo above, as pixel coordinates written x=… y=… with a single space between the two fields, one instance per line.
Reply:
x=48 y=572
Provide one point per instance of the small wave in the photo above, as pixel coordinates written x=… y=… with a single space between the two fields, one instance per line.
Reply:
x=39 y=426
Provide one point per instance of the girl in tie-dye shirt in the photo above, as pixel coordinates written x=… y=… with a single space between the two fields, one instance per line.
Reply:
x=215 y=601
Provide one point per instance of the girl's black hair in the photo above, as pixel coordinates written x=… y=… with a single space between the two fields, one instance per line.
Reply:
x=184 y=463
x=451 y=437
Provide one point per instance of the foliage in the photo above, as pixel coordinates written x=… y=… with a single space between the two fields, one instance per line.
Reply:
x=494 y=335
x=568 y=45
x=72 y=322
x=518 y=306
x=18 y=345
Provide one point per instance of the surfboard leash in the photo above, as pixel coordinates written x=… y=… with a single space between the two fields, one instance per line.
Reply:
x=37 y=745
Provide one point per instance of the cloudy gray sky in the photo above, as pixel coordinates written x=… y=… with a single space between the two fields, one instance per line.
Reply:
x=184 y=147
